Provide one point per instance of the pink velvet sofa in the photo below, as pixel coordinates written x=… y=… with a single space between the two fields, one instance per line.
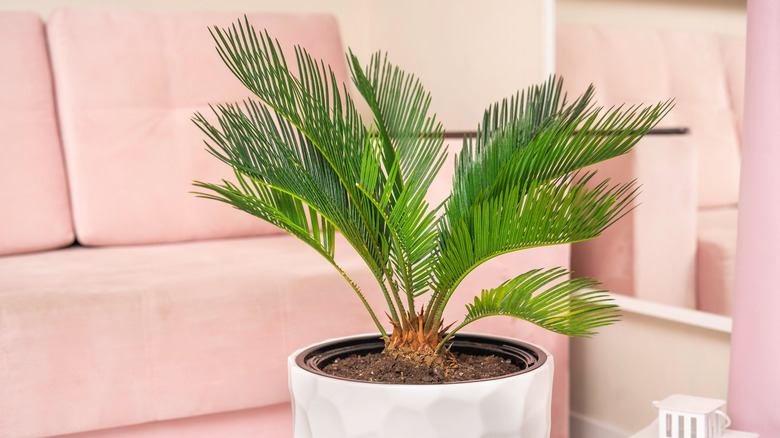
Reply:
x=678 y=248
x=128 y=307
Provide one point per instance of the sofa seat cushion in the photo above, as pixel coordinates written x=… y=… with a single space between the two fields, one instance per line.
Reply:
x=267 y=421
x=103 y=337
x=715 y=268
x=128 y=84
x=34 y=206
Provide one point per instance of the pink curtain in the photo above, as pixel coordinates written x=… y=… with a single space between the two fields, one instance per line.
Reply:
x=754 y=383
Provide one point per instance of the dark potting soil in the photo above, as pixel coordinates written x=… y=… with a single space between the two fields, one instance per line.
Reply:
x=377 y=367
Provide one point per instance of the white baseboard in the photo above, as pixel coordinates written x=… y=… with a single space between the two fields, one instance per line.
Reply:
x=584 y=427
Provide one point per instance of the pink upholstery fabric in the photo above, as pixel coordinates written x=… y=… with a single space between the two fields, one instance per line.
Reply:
x=34 y=206
x=635 y=66
x=127 y=85
x=266 y=422
x=651 y=252
x=125 y=335
x=653 y=255
x=158 y=336
x=717 y=232
x=733 y=53
x=105 y=337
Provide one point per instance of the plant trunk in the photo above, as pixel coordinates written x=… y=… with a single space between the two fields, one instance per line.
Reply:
x=417 y=344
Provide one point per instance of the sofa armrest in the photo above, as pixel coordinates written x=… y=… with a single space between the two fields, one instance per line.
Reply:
x=650 y=253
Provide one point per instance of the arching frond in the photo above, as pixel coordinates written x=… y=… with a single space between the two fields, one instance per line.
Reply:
x=555 y=212
x=569 y=306
x=287 y=213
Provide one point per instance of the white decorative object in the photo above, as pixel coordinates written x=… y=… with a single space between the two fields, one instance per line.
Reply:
x=651 y=431
x=685 y=416
x=328 y=407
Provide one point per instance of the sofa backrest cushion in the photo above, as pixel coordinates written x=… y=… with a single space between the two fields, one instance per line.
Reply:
x=34 y=208
x=651 y=65
x=733 y=52
x=127 y=85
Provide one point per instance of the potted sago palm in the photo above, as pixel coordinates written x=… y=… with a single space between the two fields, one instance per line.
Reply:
x=306 y=162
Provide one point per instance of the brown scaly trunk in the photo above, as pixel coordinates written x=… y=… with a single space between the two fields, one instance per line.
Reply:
x=418 y=345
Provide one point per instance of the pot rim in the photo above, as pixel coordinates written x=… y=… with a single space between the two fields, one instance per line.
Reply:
x=311 y=358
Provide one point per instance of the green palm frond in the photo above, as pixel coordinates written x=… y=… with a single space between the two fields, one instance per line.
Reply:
x=277 y=208
x=506 y=129
x=412 y=148
x=313 y=149
x=311 y=103
x=401 y=106
x=287 y=213
x=518 y=186
x=310 y=99
x=569 y=306
x=283 y=162
x=541 y=138
x=267 y=157
x=555 y=212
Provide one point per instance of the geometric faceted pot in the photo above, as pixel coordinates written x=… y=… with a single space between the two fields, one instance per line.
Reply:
x=512 y=406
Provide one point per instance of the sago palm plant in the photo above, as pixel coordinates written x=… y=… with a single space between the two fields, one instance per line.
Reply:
x=306 y=162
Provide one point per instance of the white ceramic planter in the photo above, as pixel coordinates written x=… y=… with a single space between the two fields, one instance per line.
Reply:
x=516 y=406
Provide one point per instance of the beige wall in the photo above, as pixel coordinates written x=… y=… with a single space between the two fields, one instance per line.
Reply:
x=468 y=56
x=352 y=15
x=727 y=16
x=617 y=374
x=468 y=53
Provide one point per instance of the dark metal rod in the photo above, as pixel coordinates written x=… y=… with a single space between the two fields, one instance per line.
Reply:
x=655 y=131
